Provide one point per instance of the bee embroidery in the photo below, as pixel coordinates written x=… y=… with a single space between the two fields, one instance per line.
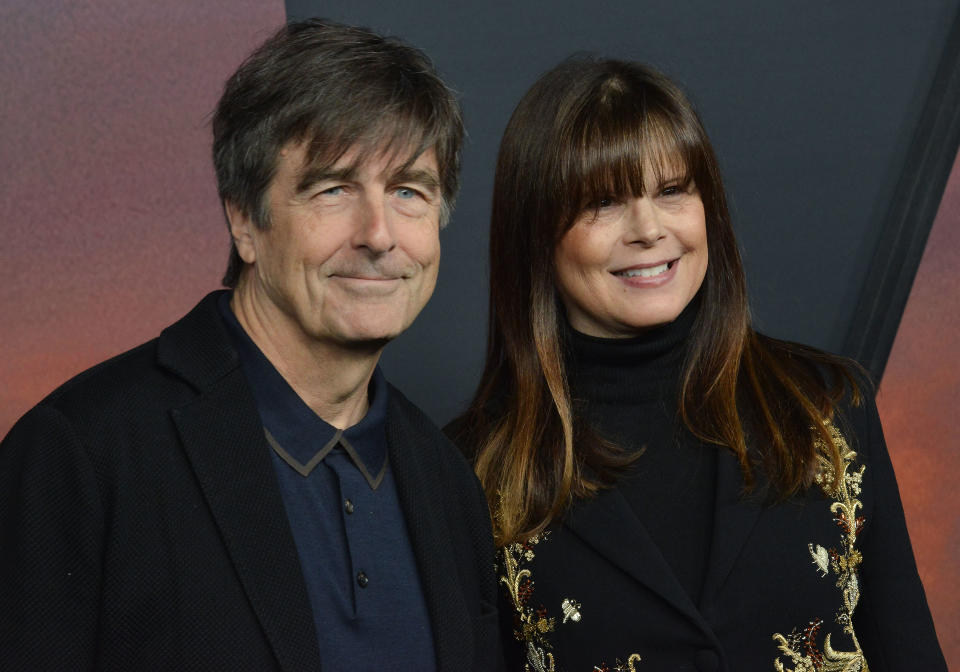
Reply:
x=571 y=610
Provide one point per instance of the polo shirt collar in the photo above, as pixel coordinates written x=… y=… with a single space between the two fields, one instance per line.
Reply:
x=297 y=434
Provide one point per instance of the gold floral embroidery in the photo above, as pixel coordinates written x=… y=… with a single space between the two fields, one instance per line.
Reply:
x=802 y=648
x=618 y=666
x=533 y=625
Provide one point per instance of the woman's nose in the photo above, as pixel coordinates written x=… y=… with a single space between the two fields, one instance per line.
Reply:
x=643 y=223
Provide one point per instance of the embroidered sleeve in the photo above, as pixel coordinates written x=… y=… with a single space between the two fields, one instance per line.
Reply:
x=802 y=648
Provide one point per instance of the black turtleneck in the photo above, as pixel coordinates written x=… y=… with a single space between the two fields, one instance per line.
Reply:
x=627 y=389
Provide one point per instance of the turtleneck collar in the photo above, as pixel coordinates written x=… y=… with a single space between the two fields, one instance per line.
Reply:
x=645 y=366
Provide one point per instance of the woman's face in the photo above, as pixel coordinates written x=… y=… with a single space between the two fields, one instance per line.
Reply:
x=634 y=263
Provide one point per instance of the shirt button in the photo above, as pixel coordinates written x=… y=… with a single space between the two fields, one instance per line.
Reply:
x=348 y=506
x=362 y=580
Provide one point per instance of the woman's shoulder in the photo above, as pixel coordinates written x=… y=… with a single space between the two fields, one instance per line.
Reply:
x=844 y=380
x=813 y=358
x=848 y=384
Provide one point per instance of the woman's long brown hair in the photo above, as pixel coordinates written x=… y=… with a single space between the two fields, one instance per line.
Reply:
x=584 y=131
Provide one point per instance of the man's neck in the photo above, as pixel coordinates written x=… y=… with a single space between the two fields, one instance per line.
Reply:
x=332 y=380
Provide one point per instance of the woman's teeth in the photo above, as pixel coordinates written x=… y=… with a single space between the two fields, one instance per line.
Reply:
x=644 y=272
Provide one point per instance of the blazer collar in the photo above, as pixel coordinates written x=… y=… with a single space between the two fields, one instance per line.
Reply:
x=223 y=438
x=414 y=447
x=197 y=347
x=735 y=516
x=609 y=525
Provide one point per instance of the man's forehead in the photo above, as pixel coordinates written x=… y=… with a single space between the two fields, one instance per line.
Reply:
x=384 y=159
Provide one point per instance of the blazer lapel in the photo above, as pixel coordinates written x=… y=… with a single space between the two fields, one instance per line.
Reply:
x=609 y=525
x=223 y=438
x=734 y=519
x=224 y=441
x=414 y=459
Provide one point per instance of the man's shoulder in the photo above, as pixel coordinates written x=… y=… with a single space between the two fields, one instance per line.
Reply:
x=135 y=380
x=416 y=426
x=399 y=407
x=117 y=378
x=432 y=465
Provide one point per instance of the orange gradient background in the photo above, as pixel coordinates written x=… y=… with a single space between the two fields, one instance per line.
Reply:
x=111 y=224
x=919 y=402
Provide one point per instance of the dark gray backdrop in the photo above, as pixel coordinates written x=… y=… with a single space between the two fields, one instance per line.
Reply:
x=813 y=108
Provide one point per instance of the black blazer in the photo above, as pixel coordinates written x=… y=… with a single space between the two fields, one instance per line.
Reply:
x=594 y=592
x=142 y=527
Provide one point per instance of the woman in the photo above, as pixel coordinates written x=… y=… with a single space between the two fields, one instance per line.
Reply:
x=671 y=490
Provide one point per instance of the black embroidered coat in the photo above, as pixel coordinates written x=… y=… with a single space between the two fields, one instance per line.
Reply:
x=594 y=593
x=142 y=528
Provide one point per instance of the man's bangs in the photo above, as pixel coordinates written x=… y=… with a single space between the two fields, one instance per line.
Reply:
x=394 y=138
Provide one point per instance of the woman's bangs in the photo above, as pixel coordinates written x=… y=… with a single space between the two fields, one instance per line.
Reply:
x=671 y=149
x=617 y=151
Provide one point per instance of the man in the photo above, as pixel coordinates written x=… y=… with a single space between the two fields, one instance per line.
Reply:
x=247 y=492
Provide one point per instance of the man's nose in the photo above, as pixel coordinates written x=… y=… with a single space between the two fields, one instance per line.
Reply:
x=373 y=228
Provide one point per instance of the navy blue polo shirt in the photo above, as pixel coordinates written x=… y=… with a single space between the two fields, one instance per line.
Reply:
x=342 y=506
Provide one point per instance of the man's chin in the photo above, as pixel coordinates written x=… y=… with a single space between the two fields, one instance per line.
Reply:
x=369 y=343
x=366 y=337
x=369 y=330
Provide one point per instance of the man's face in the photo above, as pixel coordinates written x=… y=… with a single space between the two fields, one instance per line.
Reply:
x=352 y=252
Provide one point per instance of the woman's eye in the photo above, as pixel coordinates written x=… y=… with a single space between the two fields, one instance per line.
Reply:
x=601 y=203
x=672 y=190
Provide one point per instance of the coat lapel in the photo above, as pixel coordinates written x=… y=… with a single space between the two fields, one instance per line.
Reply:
x=734 y=519
x=224 y=441
x=609 y=525
x=414 y=459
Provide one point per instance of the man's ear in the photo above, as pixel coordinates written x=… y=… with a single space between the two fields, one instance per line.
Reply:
x=242 y=231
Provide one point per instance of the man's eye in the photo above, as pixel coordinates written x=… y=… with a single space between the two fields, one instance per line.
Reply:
x=332 y=191
x=406 y=193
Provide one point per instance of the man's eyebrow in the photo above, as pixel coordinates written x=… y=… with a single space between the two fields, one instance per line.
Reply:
x=312 y=176
x=422 y=176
